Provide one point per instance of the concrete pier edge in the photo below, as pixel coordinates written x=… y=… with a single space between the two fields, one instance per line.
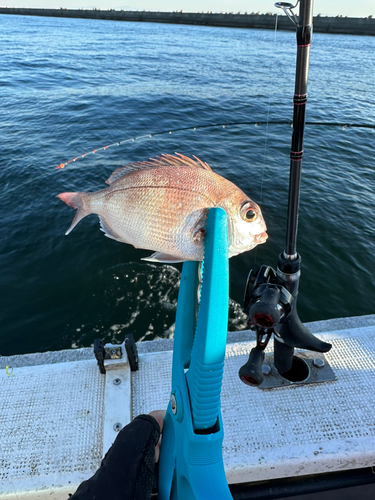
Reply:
x=333 y=25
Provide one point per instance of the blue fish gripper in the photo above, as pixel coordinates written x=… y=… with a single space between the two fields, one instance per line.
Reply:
x=191 y=463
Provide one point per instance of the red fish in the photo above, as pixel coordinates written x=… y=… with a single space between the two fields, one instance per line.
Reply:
x=161 y=205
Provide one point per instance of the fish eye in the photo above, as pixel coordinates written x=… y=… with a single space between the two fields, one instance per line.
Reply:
x=248 y=214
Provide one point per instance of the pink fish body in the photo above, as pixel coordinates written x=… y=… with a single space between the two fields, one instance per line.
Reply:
x=161 y=205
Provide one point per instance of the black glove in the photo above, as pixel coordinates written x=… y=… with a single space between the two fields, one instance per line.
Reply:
x=127 y=470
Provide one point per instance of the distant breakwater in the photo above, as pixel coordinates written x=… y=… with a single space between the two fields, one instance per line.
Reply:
x=335 y=25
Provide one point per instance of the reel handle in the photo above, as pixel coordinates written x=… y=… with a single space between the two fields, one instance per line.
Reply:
x=251 y=372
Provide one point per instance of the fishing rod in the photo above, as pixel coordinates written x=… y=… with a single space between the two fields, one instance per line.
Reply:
x=271 y=296
x=69 y=163
x=304 y=35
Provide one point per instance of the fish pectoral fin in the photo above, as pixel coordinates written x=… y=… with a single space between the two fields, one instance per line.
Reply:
x=198 y=236
x=108 y=231
x=199 y=229
x=162 y=257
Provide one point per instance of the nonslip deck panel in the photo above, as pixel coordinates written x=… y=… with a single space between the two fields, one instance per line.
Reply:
x=306 y=429
x=51 y=420
x=291 y=431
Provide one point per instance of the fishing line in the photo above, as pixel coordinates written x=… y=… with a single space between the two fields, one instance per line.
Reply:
x=69 y=163
x=266 y=134
x=212 y=125
x=268 y=116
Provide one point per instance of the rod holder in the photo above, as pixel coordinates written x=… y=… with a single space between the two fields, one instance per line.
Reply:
x=271 y=306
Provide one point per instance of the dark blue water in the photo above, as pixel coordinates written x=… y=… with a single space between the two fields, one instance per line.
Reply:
x=70 y=86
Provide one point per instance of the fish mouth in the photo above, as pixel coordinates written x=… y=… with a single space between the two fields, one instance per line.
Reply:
x=261 y=238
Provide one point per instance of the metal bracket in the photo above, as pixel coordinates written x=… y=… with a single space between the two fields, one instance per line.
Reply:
x=307 y=368
x=131 y=351
x=103 y=353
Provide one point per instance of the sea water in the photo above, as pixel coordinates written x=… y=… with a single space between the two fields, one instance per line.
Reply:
x=72 y=86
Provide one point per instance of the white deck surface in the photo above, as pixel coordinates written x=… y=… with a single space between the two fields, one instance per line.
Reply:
x=290 y=431
x=52 y=418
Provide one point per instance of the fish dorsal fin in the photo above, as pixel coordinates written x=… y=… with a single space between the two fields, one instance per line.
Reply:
x=160 y=161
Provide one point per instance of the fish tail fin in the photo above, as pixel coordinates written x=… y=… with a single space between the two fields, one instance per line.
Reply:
x=74 y=200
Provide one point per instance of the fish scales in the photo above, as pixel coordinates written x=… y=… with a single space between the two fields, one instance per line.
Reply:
x=165 y=199
x=162 y=207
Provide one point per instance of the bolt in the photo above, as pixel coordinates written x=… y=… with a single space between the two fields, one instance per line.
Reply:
x=173 y=404
x=117 y=427
x=113 y=351
x=117 y=381
x=318 y=362
x=266 y=370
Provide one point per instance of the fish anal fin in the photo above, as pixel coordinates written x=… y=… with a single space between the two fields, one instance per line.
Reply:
x=108 y=231
x=164 y=160
x=163 y=257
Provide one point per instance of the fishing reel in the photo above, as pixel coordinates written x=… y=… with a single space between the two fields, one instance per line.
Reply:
x=270 y=304
x=266 y=304
x=266 y=301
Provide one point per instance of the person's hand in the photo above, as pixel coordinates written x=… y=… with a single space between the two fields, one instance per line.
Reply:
x=159 y=417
